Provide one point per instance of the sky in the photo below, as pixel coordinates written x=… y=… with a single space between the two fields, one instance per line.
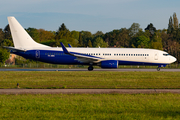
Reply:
x=89 y=15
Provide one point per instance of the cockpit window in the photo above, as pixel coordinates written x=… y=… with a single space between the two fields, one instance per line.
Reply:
x=165 y=54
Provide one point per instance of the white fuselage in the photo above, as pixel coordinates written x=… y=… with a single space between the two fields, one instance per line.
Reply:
x=121 y=54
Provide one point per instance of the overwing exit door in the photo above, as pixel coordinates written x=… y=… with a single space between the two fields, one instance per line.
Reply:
x=155 y=55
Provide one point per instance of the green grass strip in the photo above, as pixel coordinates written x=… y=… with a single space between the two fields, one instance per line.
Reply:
x=90 y=106
x=86 y=79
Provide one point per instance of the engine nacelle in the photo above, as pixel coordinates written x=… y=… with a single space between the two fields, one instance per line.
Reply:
x=109 y=64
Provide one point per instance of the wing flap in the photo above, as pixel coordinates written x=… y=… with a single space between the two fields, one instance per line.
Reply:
x=87 y=59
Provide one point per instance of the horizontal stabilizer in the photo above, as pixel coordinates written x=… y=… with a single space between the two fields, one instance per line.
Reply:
x=15 y=49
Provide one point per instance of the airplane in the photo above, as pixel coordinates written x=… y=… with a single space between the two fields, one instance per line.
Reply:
x=107 y=58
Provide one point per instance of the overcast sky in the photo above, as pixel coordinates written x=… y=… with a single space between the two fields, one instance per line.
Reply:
x=89 y=15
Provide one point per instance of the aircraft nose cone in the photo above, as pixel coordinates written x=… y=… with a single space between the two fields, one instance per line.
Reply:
x=173 y=59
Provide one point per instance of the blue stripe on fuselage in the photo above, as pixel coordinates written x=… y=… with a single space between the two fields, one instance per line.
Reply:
x=120 y=62
x=55 y=57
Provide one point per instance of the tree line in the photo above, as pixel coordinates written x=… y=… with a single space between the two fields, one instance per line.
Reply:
x=134 y=37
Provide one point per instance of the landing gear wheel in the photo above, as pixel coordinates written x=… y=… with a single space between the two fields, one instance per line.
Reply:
x=90 y=68
x=158 y=68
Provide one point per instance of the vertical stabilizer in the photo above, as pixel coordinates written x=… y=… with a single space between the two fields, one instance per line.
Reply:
x=21 y=38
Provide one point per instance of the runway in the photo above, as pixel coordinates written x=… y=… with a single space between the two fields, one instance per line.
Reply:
x=88 y=91
x=122 y=70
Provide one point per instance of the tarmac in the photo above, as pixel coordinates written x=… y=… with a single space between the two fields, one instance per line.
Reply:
x=120 y=70
x=88 y=91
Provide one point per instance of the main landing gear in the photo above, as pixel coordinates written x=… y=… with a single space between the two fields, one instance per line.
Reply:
x=90 y=68
x=158 y=68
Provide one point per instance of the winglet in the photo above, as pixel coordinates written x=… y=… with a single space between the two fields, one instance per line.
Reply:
x=64 y=48
x=69 y=45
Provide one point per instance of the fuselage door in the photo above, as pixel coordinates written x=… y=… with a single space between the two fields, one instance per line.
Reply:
x=37 y=54
x=155 y=55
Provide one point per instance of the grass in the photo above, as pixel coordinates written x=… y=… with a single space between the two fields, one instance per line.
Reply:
x=86 y=79
x=90 y=106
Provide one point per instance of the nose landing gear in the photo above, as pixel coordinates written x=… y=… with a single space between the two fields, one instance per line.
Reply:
x=158 y=68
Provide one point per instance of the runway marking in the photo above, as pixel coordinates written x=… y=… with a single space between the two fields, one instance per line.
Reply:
x=87 y=91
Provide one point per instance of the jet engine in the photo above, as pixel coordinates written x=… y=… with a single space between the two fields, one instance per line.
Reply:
x=109 y=64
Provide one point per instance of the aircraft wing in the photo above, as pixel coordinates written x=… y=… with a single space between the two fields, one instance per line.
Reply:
x=15 y=49
x=84 y=58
